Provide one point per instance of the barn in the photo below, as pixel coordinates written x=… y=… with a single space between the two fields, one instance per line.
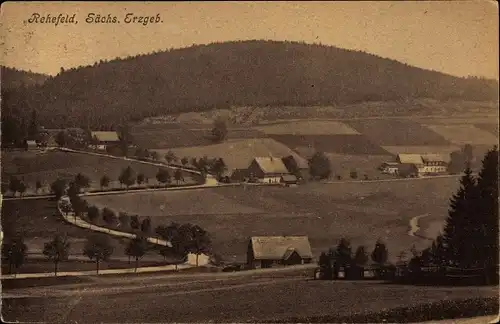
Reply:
x=101 y=140
x=267 y=169
x=267 y=251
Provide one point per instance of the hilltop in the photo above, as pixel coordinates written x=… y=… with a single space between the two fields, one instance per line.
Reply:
x=12 y=78
x=232 y=74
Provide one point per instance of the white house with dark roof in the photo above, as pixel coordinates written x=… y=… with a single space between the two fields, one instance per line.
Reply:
x=100 y=140
x=266 y=251
x=267 y=169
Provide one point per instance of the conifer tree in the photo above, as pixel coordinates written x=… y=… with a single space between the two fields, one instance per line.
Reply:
x=457 y=241
x=485 y=235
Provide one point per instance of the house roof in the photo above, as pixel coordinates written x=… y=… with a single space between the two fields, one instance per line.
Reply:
x=271 y=165
x=31 y=142
x=289 y=178
x=279 y=247
x=106 y=136
x=436 y=158
x=410 y=158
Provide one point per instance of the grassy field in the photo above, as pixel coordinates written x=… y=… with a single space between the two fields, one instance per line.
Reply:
x=391 y=132
x=342 y=144
x=308 y=127
x=236 y=153
x=421 y=149
x=464 y=134
x=362 y=212
x=492 y=128
x=49 y=166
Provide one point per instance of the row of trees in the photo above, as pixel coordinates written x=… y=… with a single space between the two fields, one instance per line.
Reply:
x=342 y=256
x=97 y=248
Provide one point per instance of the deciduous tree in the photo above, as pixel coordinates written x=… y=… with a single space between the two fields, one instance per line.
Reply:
x=104 y=181
x=127 y=177
x=380 y=253
x=98 y=248
x=57 y=250
x=14 y=252
x=163 y=176
x=136 y=248
x=319 y=166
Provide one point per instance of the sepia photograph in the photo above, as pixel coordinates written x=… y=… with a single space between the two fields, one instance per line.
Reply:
x=249 y=162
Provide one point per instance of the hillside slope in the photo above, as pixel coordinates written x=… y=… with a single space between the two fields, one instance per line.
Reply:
x=12 y=78
x=242 y=73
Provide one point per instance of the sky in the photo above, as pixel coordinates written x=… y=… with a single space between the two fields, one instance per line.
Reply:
x=454 y=37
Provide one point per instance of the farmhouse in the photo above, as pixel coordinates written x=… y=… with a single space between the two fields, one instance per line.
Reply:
x=266 y=251
x=31 y=145
x=101 y=140
x=296 y=166
x=267 y=169
x=435 y=163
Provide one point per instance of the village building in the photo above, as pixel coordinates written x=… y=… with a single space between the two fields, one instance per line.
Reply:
x=101 y=140
x=435 y=163
x=31 y=145
x=267 y=169
x=266 y=251
x=390 y=167
x=297 y=166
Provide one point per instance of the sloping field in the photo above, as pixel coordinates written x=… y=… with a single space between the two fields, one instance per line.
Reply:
x=308 y=127
x=236 y=153
x=362 y=212
x=464 y=134
x=492 y=128
x=173 y=135
x=50 y=166
x=342 y=144
x=343 y=164
x=392 y=132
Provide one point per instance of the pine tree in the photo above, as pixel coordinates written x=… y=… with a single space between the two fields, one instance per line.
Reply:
x=457 y=239
x=486 y=232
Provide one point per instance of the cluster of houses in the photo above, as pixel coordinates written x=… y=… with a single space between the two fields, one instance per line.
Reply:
x=416 y=165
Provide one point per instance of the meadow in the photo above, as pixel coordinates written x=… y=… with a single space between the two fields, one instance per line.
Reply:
x=308 y=127
x=351 y=144
x=361 y=212
x=236 y=153
x=464 y=134
x=49 y=166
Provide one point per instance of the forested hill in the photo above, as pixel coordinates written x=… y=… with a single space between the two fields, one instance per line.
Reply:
x=12 y=78
x=246 y=73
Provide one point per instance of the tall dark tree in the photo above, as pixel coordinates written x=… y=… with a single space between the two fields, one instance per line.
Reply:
x=380 y=254
x=127 y=177
x=57 y=250
x=163 y=176
x=136 y=248
x=82 y=181
x=178 y=176
x=38 y=186
x=343 y=253
x=104 y=181
x=325 y=265
x=14 y=184
x=58 y=187
x=125 y=138
x=360 y=257
x=14 y=252
x=146 y=225
x=98 y=248
x=460 y=250
x=33 y=127
x=319 y=166
x=93 y=213
x=219 y=130
x=61 y=139
x=486 y=231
